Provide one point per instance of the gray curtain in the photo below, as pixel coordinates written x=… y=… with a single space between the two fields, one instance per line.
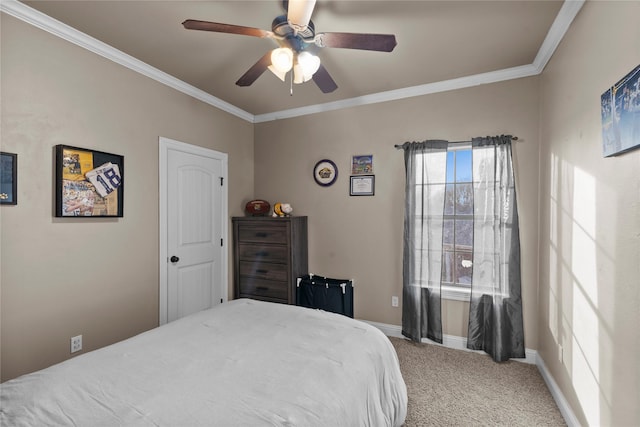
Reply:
x=495 y=313
x=425 y=164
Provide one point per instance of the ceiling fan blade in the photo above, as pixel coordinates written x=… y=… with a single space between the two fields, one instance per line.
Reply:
x=299 y=13
x=193 y=24
x=324 y=80
x=378 y=42
x=255 y=71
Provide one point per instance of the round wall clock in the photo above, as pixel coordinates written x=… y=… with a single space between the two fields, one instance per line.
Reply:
x=325 y=172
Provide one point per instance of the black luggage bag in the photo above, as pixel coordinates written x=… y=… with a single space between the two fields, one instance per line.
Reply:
x=324 y=293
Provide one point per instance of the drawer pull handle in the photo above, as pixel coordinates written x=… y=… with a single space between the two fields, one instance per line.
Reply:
x=262 y=271
x=262 y=288
x=262 y=253
x=261 y=234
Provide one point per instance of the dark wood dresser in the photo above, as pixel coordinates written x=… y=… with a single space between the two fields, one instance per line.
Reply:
x=269 y=255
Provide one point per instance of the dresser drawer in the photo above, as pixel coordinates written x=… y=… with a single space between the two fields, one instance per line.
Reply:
x=270 y=234
x=252 y=287
x=264 y=270
x=263 y=253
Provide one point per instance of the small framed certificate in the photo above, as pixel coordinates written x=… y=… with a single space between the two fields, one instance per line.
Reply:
x=362 y=185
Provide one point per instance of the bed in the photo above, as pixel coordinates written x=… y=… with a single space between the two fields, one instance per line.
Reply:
x=242 y=363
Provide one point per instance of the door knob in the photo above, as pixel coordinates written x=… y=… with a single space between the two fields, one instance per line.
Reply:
x=174 y=259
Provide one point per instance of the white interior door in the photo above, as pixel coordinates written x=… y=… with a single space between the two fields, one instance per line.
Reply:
x=193 y=245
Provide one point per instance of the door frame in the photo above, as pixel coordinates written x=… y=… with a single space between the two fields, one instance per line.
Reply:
x=165 y=145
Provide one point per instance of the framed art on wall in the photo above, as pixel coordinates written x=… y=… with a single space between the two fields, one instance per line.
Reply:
x=362 y=165
x=8 y=179
x=325 y=172
x=89 y=183
x=620 y=112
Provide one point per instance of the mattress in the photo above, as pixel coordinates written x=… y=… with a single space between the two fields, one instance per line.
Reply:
x=242 y=363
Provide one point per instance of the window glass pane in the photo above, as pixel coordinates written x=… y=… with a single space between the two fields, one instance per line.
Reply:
x=463 y=166
x=464 y=199
x=464 y=234
x=483 y=165
x=447 y=234
x=449 y=199
x=483 y=203
x=447 y=267
x=450 y=166
x=463 y=268
x=417 y=230
x=434 y=195
x=419 y=168
x=434 y=234
x=418 y=200
x=419 y=171
x=433 y=168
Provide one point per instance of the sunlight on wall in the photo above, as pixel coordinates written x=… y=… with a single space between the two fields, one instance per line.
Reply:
x=586 y=336
x=553 y=251
x=580 y=269
x=554 y=315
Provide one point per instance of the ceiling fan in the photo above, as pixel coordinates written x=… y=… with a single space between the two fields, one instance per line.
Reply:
x=297 y=40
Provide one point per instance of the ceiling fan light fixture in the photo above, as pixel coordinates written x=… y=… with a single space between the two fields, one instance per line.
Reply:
x=298 y=75
x=309 y=63
x=282 y=59
x=278 y=74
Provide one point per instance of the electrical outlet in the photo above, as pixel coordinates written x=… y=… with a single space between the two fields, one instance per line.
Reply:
x=76 y=343
x=394 y=301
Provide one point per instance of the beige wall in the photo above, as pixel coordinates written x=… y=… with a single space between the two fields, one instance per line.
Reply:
x=579 y=212
x=98 y=278
x=590 y=223
x=361 y=237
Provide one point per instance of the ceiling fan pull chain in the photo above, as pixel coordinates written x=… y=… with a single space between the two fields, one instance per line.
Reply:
x=291 y=83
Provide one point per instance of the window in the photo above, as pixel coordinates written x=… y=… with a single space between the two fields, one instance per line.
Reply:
x=457 y=233
x=461 y=241
x=450 y=178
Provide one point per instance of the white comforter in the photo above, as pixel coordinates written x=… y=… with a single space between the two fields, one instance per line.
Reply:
x=243 y=363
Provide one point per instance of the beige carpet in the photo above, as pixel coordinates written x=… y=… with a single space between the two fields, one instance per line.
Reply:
x=449 y=387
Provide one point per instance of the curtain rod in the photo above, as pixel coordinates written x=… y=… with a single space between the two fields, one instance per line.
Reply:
x=513 y=138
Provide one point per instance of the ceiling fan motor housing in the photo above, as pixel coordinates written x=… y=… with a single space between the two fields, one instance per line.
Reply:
x=281 y=27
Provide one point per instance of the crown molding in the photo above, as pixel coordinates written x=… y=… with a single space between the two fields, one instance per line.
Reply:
x=70 y=34
x=561 y=24
x=567 y=13
x=408 y=92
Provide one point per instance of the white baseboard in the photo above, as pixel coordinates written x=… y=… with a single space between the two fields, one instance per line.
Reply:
x=561 y=401
x=450 y=341
x=388 y=330
x=531 y=357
